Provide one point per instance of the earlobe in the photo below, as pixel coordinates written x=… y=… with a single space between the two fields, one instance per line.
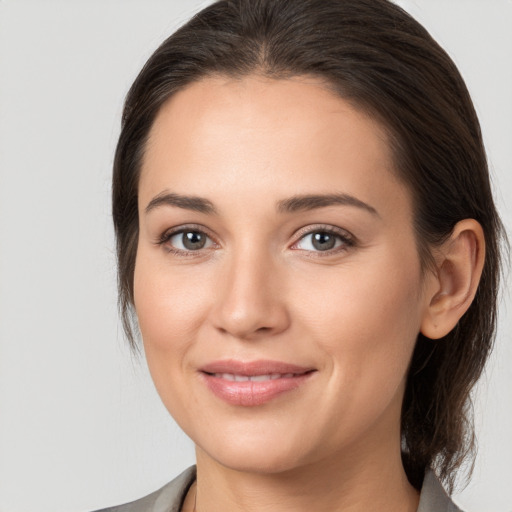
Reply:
x=459 y=264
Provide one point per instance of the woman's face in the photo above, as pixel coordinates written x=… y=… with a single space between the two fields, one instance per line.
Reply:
x=277 y=281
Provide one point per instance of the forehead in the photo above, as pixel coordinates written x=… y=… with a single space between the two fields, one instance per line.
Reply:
x=255 y=102
x=281 y=136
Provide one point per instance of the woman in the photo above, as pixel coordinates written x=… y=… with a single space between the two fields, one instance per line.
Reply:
x=307 y=236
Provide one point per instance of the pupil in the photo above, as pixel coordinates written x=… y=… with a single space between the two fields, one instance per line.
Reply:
x=193 y=240
x=323 y=241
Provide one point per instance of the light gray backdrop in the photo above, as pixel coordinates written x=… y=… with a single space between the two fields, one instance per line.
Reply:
x=80 y=424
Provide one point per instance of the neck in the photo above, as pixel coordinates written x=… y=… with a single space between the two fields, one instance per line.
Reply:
x=342 y=483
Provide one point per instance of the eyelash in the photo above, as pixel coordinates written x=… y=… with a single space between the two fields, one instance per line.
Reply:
x=167 y=235
x=347 y=240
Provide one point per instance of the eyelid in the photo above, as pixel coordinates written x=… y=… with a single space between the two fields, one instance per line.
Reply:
x=198 y=228
x=348 y=239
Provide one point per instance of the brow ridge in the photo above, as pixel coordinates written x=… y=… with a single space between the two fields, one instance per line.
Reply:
x=198 y=204
x=311 y=202
x=290 y=205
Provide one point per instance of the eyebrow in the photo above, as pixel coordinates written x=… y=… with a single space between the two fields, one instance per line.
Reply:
x=198 y=204
x=290 y=205
x=311 y=202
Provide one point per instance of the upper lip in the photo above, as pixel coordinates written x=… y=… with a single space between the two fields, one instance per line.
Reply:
x=252 y=368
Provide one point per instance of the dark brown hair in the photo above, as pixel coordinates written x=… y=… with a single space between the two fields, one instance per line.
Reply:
x=375 y=55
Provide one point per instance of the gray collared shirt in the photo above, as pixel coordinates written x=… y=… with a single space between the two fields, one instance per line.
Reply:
x=170 y=498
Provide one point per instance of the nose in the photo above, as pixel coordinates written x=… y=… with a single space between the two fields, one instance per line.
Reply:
x=250 y=302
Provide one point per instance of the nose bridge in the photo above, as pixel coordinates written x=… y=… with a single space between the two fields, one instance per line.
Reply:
x=250 y=303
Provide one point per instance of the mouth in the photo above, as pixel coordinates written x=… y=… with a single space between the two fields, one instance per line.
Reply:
x=255 y=383
x=253 y=378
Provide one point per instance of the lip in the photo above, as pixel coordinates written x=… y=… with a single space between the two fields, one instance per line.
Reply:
x=231 y=380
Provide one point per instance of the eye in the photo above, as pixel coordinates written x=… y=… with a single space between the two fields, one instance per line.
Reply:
x=186 y=240
x=324 y=240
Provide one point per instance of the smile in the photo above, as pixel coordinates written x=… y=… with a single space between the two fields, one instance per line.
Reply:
x=251 y=384
x=253 y=378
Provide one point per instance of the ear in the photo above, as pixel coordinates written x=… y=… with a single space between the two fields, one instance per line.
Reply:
x=453 y=285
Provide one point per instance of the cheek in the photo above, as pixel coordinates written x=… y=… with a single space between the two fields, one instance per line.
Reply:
x=170 y=311
x=367 y=319
x=170 y=307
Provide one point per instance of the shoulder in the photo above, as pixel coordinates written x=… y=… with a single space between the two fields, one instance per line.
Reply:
x=433 y=497
x=167 y=499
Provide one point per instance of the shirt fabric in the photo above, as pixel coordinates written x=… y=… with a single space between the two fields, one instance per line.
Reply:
x=170 y=497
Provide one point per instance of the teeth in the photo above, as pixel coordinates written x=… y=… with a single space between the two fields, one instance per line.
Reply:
x=253 y=378
x=259 y=378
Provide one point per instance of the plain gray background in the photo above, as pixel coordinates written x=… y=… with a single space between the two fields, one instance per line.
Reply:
x=81 y=426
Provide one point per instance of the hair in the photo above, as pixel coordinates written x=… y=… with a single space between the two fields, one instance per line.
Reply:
x=373 y=54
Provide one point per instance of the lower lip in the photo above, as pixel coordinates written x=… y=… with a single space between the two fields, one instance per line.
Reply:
x=253 y=393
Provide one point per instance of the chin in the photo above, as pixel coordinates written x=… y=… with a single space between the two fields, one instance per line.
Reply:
x=254 y=454
x=257 y=463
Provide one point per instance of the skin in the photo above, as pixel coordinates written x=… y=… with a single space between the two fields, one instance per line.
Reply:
x=259 y=289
